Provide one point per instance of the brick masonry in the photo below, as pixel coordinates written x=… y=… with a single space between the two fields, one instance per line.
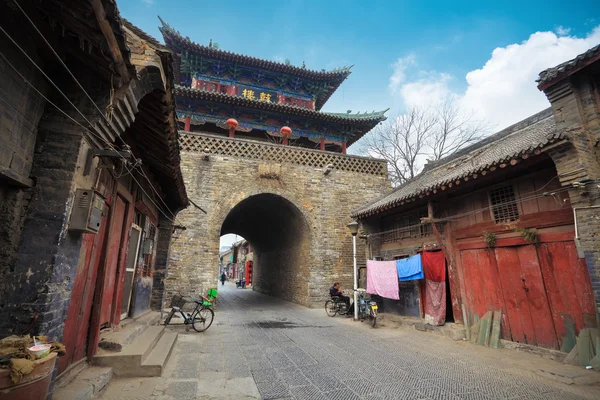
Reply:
x=293 y=215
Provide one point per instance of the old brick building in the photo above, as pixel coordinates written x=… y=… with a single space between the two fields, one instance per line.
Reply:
x=264 y=162
x=89 y=170
x=516 y=216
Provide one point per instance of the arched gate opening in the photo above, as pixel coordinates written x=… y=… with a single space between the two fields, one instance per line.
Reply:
x=280 y=237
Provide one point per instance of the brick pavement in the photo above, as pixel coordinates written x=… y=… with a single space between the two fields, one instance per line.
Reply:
x=262 y=347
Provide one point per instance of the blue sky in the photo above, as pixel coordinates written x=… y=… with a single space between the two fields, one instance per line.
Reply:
x=405 y=53
x=449 y=38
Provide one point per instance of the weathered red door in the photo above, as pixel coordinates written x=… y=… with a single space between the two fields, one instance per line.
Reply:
x=113 y=256
x=80 y=306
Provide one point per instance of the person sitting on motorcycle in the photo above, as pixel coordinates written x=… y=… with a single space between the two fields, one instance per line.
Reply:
x=336 y=291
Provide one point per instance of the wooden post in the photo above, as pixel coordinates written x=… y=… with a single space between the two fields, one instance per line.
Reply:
x=285 y=140
x=322 y=143
x=344 y=147
x=232 y=132
x=188 y=124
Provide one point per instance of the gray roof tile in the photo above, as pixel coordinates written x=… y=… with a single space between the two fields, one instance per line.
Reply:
x=523 y=137
x=550 y=74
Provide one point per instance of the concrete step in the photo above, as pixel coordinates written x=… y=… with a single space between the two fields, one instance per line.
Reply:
x=128 y=361
x=125 y=333
x=155 y=364
x=87 y=384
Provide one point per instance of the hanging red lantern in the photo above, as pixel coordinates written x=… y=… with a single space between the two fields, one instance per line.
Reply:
x=286 y=131
x=232 y=124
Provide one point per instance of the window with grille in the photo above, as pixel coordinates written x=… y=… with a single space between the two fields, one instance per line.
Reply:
x=504 y=204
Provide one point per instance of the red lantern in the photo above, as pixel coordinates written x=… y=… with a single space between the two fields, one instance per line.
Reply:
x=286 y=131
x=232 y=124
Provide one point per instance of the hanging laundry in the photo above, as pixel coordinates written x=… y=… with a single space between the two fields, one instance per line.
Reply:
x=435 y=302
x=410 y=269
x=434 y=265
x=382 y=279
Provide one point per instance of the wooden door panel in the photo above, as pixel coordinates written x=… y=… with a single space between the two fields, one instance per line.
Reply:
x=469 y=258
x=535 y=291
x=521 y=328
x=113 y=247
x=73 y=321
x=559 y=288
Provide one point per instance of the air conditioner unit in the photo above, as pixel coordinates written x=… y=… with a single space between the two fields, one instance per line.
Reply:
x=86 y=214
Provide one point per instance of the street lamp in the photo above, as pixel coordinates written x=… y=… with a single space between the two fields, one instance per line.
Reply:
x=353 y=227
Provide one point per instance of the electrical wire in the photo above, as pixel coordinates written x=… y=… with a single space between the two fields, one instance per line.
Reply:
x=77 y=123
x=473 y=212
x=71 y=103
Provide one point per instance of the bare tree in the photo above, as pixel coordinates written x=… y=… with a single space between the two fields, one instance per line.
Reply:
x=455 y=128
x=401 y=141
x=420 y=134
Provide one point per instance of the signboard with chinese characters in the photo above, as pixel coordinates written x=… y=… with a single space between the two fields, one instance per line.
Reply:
x=257 y=94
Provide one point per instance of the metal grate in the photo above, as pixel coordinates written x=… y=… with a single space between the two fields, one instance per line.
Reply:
x=279 y=154
x=504 y=204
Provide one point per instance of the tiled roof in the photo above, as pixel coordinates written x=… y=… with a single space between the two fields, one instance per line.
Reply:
x=170 y=33
x=522 y=138
x=550 y=75
x=365 y=121
x=330 y=79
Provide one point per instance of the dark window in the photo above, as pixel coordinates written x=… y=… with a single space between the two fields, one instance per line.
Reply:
x=503 y=203
x=224 y=89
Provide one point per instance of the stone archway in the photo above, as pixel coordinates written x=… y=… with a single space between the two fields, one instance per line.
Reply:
x=281 y=239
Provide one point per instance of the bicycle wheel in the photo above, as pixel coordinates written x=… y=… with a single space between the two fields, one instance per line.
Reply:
x=373 y=318
x=168 y=319
x=330 y=308
x=203 y=319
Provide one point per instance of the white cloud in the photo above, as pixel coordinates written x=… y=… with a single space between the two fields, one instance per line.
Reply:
x=562 y=31
x=503 y=91
x=399 y=74
x=148 y=2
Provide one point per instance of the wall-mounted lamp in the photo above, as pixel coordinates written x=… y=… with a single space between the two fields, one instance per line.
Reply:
x=206 y=154
x=328 y=169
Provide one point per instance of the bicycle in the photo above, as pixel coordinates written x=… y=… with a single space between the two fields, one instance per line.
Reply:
x=335 y=306
x=201 y=318
x=367 y=309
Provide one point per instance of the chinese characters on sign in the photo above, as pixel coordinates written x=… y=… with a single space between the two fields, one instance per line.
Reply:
x=257 y=94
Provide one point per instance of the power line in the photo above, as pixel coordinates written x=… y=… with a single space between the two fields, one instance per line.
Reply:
x=409 y=228
x=69 y=101
x=79 y=124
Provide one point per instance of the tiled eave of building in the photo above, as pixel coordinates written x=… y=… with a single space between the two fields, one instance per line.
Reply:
x=505 y=149
x=553 y=75
x=364 y=122
x=334 y=78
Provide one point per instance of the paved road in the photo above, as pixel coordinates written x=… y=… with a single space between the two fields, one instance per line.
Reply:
x=261 y=347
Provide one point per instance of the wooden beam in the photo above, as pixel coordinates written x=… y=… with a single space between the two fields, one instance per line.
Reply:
x=113 y=45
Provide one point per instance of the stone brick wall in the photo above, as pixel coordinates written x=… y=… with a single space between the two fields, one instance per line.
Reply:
x=298 y=252
x=48 y=255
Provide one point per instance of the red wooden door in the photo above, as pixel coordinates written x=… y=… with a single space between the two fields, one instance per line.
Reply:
x=515 y=299
x=80 y=306
x=568 y=284
x=113 y=252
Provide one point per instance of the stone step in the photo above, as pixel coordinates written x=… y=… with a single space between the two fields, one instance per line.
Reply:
x=128 y=362
x=87 y=384
x=129 y=329
x=157 y=360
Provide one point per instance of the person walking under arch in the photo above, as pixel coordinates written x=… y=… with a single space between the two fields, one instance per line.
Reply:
x=223 y=278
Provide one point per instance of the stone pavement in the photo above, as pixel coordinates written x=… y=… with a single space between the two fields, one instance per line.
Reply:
x=262 y=347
